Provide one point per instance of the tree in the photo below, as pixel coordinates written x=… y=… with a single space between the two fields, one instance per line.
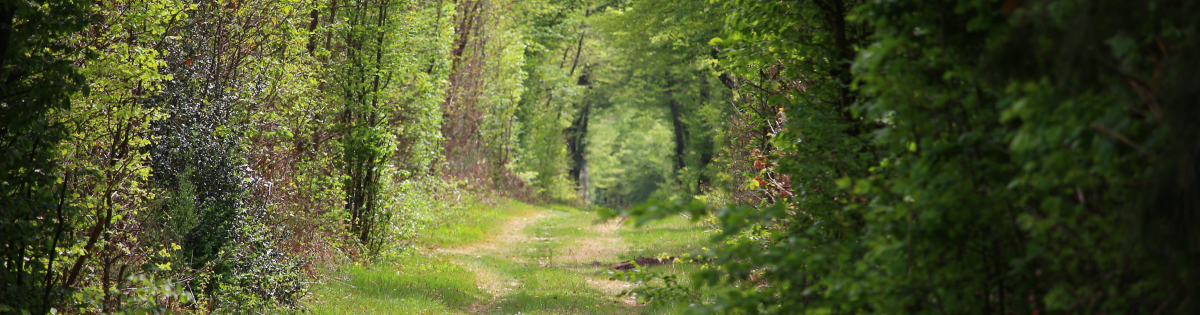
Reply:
x=38 y=79
x=666 y=74
x=933 y=157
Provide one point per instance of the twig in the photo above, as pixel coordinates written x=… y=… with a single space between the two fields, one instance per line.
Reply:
x=1119 y=136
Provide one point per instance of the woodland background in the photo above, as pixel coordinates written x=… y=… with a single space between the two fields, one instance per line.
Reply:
x=851 y=156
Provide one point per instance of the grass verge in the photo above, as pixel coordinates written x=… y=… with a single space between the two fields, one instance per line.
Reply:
x=511 y=258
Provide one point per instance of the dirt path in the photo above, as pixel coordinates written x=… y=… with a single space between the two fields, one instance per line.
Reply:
x=509 y=257
x=497 y=245
x=510 y=234
x=548 y=262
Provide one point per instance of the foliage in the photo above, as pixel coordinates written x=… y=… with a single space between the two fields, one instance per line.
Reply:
x=253 y=275
x=559 y=46
x=38 y=78
x=649 y=120
x=388 y=103
x=908 y=156
x=199 y=153
x=629 y=154
x=647 y=285
x=529 y=78
x=955 y=157
x=1054 y=147
x=481 y=129
x=415 y=204
x=201 y=167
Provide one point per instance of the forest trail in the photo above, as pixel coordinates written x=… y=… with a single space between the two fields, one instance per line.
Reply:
x=512 y=258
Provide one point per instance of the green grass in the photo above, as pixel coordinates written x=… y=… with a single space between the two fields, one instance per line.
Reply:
x=419 y=283
x=415 y=285
x=672 y=236
x=470 y=224
x=545 y=268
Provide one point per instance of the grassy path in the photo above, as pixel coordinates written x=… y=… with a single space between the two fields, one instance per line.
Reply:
x=511 y=258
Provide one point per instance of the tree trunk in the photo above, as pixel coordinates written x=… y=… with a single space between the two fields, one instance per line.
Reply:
x=680 y=129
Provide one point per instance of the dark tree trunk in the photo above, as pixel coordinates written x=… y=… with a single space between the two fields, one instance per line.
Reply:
x=843 y=47
x=6 y=25
x=576 y=146
x=680 y=130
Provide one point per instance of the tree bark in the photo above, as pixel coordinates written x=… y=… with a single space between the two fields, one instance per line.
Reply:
x=680 y=130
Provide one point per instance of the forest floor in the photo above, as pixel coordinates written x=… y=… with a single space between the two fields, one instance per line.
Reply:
x=512 y=258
